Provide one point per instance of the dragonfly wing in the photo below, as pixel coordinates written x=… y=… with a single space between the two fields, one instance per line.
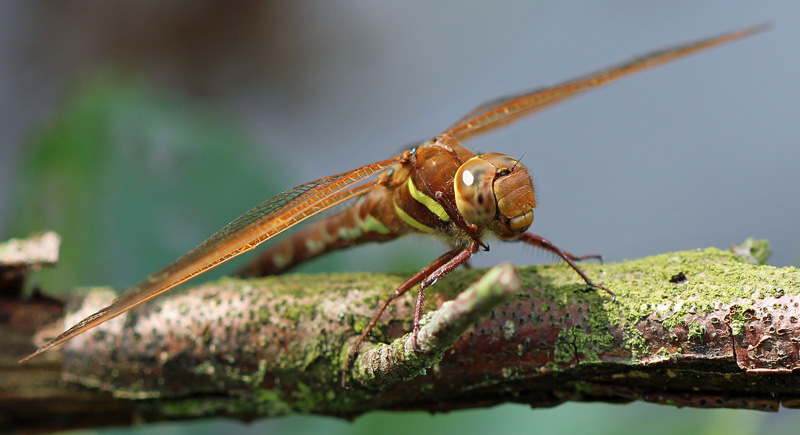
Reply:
x=258 y=225
x=502 y=111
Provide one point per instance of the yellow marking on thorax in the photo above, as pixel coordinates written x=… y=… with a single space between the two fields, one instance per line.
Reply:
x=427 y=201
x=411 y=221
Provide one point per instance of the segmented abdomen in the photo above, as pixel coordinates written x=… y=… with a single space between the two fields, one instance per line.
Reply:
x=370 y=219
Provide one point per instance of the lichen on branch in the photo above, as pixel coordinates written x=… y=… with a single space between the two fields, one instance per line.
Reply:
x=699 y=328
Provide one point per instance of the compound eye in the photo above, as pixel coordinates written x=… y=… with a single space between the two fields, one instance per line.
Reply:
x=503 y=163
x=474 y=191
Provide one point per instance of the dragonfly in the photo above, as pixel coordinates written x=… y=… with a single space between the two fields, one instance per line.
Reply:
x=438 y=188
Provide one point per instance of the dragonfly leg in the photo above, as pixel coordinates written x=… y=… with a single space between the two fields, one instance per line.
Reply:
x=457 y=260
x=455 y=216
x=541 y=242
x=414 y=280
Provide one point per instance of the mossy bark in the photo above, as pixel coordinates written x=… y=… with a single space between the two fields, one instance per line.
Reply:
x=697 y=328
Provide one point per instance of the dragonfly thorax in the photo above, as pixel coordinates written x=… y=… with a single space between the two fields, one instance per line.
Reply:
x=495 y=191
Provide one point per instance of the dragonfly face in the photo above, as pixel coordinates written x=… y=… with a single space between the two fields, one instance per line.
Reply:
x=495 y=191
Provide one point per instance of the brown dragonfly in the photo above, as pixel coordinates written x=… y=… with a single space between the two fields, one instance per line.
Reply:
x=438 y=188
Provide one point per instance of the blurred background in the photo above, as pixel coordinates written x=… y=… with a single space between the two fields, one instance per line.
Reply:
x=136 y=129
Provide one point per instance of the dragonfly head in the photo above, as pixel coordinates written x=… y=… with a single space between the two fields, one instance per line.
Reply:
x=495 y=191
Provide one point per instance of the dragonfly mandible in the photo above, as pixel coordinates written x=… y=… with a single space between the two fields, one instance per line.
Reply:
x=438 y=188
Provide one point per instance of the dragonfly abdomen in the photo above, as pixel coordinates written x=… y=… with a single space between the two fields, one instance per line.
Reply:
x=368 y=220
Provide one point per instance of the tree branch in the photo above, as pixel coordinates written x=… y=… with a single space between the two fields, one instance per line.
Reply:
x=697 y=328
x=387 y=364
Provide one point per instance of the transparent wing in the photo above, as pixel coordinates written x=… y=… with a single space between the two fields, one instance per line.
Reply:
x=502 y=111
x=258 y=225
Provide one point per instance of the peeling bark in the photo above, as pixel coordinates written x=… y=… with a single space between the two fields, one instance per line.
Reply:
x=723 y=334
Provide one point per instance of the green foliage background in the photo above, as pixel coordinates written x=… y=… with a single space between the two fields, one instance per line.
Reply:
x=131 y=178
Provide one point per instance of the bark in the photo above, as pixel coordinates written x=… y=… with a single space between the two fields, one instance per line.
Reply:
x=700 y=328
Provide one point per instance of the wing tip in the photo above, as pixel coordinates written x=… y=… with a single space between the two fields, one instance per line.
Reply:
x=743 y=33
x=38 y=352
x=758 y=28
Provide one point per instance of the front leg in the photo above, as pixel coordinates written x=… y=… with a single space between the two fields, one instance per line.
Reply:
x=411 y=282
x=425 y=278
x=460 y=258
x=541 y=242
